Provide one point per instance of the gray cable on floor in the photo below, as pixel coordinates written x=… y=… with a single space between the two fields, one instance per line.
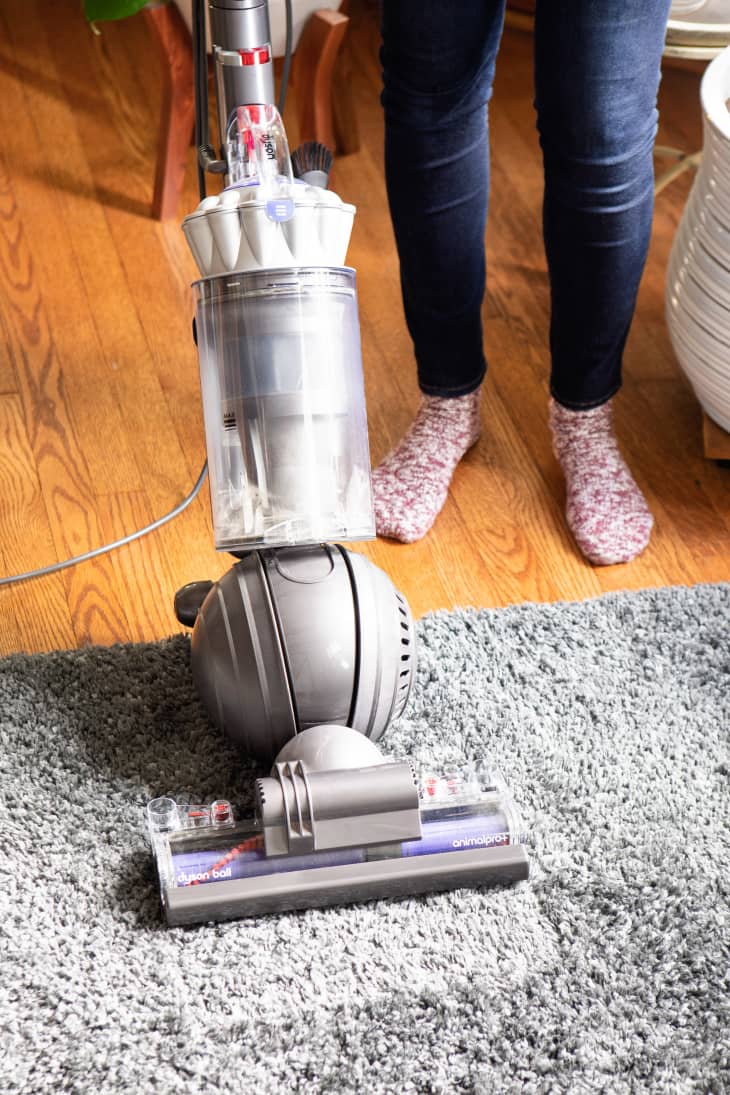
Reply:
x=53 y=567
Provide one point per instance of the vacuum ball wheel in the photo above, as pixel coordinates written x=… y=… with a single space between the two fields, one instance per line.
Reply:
x=291 y=638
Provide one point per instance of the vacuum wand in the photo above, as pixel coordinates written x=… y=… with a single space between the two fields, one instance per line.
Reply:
x=244 y=70
x=244 y=65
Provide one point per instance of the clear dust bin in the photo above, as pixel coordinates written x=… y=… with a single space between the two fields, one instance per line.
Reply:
x=284 y=407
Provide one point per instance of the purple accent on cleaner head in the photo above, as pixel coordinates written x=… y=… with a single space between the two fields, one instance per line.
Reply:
x=449 y=834
x=193 y=868
x=461 y=834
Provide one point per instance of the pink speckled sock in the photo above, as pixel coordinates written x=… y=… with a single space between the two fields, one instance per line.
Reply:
x=605 y=510
x=411 y=484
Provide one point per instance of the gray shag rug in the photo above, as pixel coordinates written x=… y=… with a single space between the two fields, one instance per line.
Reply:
x=608 y=971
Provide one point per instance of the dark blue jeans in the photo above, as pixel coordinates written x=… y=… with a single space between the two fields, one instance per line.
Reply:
x=597 y=66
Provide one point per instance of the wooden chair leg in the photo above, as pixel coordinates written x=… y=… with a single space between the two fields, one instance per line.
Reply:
x=313 y=68
x=178 y=106
x=347 y=131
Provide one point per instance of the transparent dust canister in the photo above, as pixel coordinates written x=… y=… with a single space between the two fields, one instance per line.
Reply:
x=284 y=407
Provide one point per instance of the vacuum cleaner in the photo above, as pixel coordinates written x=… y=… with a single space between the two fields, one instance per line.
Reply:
x=303 y=653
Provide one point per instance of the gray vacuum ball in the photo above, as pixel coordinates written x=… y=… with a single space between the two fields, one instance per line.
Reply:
x=294 y=637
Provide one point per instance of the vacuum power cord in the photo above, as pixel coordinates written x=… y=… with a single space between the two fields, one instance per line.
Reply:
x=54 y=567
x=287 y=57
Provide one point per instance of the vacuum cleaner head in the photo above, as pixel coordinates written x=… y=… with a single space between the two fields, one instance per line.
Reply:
x=295 y=637
x=335 y=822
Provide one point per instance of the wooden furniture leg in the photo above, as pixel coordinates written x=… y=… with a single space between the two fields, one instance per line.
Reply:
x=344 y=116
x=178 y=106
x=312 y=75
x=715 y=441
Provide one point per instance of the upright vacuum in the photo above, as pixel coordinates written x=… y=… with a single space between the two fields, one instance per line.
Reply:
x=304 y=652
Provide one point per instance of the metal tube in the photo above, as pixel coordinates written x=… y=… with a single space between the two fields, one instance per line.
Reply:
x=244 y=66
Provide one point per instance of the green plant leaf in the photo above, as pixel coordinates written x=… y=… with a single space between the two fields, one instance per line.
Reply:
x=97 y=11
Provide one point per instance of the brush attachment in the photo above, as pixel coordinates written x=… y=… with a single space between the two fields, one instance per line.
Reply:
x=312 y=162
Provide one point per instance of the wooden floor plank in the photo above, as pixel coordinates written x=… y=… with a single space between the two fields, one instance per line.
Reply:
x=62 y=473
x=34 y=615
x=144 y=572
x=60 y=464
x=12 y=638
x=697 y=488
x=152 y=334
x=54 y=224
x=10 y=273
x=513 y=522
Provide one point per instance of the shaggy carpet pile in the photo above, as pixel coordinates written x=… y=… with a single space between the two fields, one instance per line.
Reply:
x=609 y=970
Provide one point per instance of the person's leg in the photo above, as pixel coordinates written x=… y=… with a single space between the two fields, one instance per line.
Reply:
x=438 y=66
x=597 y=68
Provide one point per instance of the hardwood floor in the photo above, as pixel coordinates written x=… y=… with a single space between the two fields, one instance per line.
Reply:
x=100 y=423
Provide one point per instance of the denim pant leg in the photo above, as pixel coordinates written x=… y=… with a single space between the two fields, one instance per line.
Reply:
x=438 y=66
x=597 y=68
